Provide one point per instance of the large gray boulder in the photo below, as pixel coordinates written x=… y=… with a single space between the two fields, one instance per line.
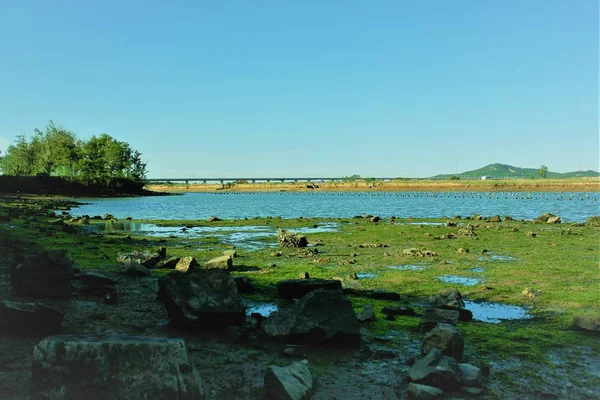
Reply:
x=289 y=239
x=112 y=367
x=223 y=262
x=320 y=316
x=447 y=298
x=201 y=299
x=147 y=258
x=293 y=382
x=297 y=288
x=435 y=369
x=46 y=274
x=446 y=338
x=432 y=316
x=32 y=318
x=470 y=375
x=423 y=392
x=587 y=322
x=94 y=283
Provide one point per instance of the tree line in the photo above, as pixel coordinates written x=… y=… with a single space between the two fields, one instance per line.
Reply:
x=56 y=151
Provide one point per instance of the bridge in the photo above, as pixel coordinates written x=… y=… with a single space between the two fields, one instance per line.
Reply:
x=254 y=180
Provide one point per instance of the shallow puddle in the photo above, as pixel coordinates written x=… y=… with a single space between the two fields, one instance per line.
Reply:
x=478 y=270
x=496 y=312
x=425 y=223
x=407 y=267
x=368 y=275
x=264 y=309
x=459 y=280
x=321 y=228
x=496 y=257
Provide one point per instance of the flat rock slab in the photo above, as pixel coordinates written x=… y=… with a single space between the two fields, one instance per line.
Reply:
x=297 y=288
x=113 y=367
x=147 y=258
x=423 y=392
x=322 y=316
x=33 y=318
x=201 y=299
x=223 y=262
x=432 y=316
x=293 y=382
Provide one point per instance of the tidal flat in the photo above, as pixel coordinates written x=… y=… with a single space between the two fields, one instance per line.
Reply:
x=537 y=354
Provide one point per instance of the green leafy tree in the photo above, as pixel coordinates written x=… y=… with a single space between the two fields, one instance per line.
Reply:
x=19 y=158
x=543 y=171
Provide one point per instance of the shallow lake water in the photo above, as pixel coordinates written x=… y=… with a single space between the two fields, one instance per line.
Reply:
x=408 y=267
x=574 y=207
x=459 y=280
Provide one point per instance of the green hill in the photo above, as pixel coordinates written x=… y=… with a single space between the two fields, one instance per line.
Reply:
x=504 y=171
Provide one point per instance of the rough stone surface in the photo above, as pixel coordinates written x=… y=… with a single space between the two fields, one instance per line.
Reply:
x=201 y=299
x=46 y=274
x=223 y=262
x=169 y=263
x=297 y=288
x=230 y=253
x=94 y=283
x=587 y=322
x=367 y=314
x=293 y=382
x=134 y=269
x=244 y=284
x=147 y=258
x=435 y=369
x=470 y=375
x=432 y=316
x=186 y=264
x=448 y=297
x=399 y=310
x=34 y=318
x=320 y=316
x=446 y=338
x=423 y=392
x=113 y=367
x=288 y=239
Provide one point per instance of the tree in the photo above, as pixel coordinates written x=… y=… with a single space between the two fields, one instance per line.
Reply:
x=543 y=171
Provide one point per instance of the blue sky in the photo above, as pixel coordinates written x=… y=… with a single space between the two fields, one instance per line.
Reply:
x=289 y=88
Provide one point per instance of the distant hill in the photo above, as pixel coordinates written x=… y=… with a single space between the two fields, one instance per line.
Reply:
x=504 y=171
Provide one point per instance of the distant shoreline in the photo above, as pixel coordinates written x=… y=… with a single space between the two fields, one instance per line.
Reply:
x=513 y=185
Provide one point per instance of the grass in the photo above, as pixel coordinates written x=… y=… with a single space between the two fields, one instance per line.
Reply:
x=562 y=262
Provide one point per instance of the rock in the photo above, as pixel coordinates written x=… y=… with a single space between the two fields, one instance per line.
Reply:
x=446 y=338
x=507 y=218
x=375 y=219
x=448 y=297
x=230 y=253
x=367 y=314
x=113 y=367
x=146 y=258
x=223 y=262
x=495 y=218
x=134 y=269
x=288 y=239
x=470 y=375
x=462 y=251
x=94 y=283
x=47 y=274
x=399 y=310
x=33 y=318
x=169 y=263
x=435 y=369
x=321 y=316
x=553 y=220
x=374 y=294
x=423 y=392
x=472 y=391
x=293 y=382
x=531 y=293
x=418 y=253
x=587 y=322
x=545 y=217
x=289 y=352
x=187 y=264
x=201 y=299
x=450 y=224
x=244 y=285
x=531 y=234
x=297 y=288
x=304 y=275
x=432 y=316
x=213 y=219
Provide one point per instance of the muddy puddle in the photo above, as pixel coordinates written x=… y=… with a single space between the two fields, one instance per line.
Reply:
x=408 y=267
x=496 y=312
x=264 y=309
x=459 y=280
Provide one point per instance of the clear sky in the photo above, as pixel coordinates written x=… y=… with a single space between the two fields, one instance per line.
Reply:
x=319 y=88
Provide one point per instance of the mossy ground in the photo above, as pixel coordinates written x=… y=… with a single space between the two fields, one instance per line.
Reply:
x=562 y=262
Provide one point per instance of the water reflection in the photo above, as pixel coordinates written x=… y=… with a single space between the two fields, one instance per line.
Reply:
x=459 y=280
x=496 y=312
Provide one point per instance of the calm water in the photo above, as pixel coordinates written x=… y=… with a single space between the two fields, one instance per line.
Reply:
x=574 y=207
